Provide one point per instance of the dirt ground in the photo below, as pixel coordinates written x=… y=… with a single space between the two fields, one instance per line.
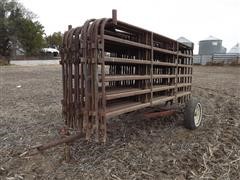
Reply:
x=137 y=148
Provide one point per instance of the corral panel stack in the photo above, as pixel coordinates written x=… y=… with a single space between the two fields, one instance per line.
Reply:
x=111 y=67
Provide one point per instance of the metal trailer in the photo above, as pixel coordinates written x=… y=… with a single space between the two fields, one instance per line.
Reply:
x=110 y=68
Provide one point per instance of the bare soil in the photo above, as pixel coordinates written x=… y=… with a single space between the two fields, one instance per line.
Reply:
x=137 y=148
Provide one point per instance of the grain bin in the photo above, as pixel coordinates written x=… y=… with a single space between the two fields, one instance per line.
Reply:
x=235 y=49
x=185 y=41
x=210 y=46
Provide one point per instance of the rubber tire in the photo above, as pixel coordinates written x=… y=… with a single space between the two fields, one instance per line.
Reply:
x=189 y=114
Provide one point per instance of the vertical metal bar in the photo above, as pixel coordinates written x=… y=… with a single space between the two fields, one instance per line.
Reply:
x=114 y=16
x=176 y=74
x=104 y=121
x=85 y=100
x=77 y=80
x=151 y=69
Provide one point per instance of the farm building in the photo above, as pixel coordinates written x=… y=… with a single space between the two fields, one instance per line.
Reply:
x=232 y=57
x=210 y=46
x=185 y=41
x=235 y=49
x=212 y=51
x=207 y=48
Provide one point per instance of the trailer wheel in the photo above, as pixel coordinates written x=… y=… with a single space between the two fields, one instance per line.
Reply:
x=193 y=114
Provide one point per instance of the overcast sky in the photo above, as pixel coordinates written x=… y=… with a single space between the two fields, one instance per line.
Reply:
x=193 y=19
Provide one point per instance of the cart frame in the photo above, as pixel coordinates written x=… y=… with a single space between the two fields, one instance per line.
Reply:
x=110 y=68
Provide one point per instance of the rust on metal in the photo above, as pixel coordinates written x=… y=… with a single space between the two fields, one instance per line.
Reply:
x=110 y=68
x=114 y=16
x=58 y=142
x=160 y=113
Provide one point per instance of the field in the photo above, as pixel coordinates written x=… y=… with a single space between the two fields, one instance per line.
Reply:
x=136 y=148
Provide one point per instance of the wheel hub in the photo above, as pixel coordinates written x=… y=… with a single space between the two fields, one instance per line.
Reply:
x=198 y=115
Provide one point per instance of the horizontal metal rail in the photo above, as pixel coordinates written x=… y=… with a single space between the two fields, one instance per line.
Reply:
x=110 y=67
x=140 y=45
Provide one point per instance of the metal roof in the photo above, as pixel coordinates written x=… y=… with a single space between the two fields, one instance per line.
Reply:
x=211 y=38
x=235 y=49
x=183 y=39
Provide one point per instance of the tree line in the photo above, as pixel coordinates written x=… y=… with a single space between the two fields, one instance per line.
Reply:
x=19 y=28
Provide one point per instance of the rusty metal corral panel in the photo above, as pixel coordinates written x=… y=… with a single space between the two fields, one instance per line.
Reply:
x=110 y=67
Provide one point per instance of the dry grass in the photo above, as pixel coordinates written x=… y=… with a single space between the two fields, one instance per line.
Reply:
x=137 y=148
x=4 y=62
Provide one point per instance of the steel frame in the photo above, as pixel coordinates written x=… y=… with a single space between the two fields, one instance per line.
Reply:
x=110 y=68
